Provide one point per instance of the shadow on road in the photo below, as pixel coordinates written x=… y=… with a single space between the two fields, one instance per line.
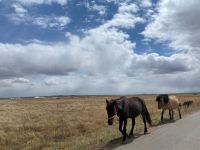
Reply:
x=118 y=142
x=165 y=121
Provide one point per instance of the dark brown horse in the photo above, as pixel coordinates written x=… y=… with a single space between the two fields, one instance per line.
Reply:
x=126 y=108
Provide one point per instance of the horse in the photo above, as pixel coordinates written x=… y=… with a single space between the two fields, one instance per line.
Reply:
x=187 y=103
x=168 y=102
x=126 y=108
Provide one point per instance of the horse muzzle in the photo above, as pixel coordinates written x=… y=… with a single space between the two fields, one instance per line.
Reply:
x=159 y=106
x=110 y=120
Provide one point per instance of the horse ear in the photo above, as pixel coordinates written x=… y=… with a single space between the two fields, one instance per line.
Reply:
x=107 y=101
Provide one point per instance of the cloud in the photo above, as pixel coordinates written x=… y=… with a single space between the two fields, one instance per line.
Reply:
x=90 y=55
x=104 y=50
x=101 y=61
x=21 y=80
x=43 y=21
x=100 y=8
x=126 y=17
x=18 y=60
x=155 y=64
x=146 y=3
x=58 y=22
x=10 y=82
x=23 y=15
x=39 y=2
x=176 y=22
x=19 y=10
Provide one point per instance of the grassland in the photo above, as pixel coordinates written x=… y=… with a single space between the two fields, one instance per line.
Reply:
x=69 y=123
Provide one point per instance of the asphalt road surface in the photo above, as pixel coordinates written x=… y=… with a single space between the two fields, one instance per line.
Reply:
x=183 y=134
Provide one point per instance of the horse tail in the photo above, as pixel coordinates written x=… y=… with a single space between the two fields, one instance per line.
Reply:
x=147 y=115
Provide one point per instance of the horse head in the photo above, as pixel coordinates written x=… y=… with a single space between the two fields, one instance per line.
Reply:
x=162 y=100
x=111 y=110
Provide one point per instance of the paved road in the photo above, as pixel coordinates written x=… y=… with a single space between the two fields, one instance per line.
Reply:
x=183 y=134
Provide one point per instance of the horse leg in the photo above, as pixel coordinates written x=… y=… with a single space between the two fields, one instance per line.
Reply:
x=144 y=121
x=170 y=115
x=179 y=111
x=133 y=124
x=162 y=114
x=124 y=129
x=120 y=125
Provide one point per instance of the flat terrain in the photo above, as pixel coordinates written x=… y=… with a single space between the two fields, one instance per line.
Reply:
x=69 y=122
x=183 y=134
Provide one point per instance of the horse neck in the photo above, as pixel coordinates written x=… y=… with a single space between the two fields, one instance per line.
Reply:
x=116 y=109
x=121 y=107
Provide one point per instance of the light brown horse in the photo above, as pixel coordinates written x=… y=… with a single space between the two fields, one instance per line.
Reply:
x=168 y=102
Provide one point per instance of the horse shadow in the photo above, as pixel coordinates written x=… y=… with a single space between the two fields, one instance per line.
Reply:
x=163 y=122
x=118 y=142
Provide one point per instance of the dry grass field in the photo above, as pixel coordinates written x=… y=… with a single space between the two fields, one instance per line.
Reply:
x=71 y=123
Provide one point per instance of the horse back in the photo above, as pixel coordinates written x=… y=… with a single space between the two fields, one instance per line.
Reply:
x=174 y=102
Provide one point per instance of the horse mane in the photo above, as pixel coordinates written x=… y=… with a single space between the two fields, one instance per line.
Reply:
x=120 y=103
x=164 y=96
x=158 y=98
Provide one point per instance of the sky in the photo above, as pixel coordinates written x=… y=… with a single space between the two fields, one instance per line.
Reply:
x=99 y=47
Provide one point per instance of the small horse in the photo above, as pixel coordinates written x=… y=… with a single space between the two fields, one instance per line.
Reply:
x=187 y=103
x=126 y=108
x=170 y=103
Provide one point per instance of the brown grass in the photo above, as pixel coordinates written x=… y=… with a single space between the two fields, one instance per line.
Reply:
x=68 y=123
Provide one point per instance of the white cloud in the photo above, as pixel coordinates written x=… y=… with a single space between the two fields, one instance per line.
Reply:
x=21 y=15
x=156 y=64
x=57 y=22
x=101 y=62
x=176 y=22
x=100 y=8
x=21 y=80
x=39 y=2
x=145 y=3
x=19 y=10
x=126 y=17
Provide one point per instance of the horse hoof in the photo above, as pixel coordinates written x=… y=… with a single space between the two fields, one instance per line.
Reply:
x=124 y=139
x=145 y=132
x=124 y=142
x=130 y=135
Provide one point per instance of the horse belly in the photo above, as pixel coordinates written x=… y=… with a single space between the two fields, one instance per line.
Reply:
x=174 y=104
x=135 y=110
x=134 y=114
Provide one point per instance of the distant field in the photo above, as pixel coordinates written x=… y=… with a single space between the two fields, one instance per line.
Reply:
x=68 y=123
